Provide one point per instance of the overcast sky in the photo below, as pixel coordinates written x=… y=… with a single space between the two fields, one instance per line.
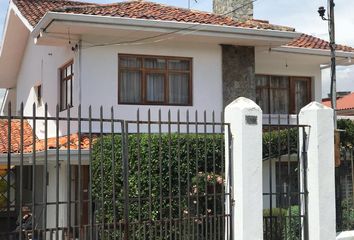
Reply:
x=301 y=14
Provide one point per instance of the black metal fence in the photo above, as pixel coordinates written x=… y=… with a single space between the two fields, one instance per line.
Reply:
x=344 y=190
x=284 y=179
x=94 y=176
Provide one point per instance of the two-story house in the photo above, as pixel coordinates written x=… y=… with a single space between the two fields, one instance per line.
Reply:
x=142 y=55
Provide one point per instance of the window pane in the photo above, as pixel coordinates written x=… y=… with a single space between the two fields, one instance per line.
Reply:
x=130 y=62
x=155 y=87
x=69 y=101
x=179 y=88
x=68 y=71
x=279 y=82
x=130 y=87
x=262 y=99
x=301 y=94
x=177 y=64
x=279 y=101
x=154 y=63
x=262 y=81
x=63 y=95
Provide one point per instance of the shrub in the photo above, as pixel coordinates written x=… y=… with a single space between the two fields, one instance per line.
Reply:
x=347 y=136
x=190 y=165
x=347 y=221
x=293 y=224
x=274 y=223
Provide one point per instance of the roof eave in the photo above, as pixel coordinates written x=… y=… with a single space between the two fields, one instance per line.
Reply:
x=158 y=25
x=309 y=51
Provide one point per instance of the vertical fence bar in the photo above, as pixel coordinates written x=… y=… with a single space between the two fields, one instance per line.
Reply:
x=113 y=175
x=197 y=170
x=149 y=163
x=57 y=172
x=80 y=174
x=214 y=214
x=34 y=166
x=139 y=169
x=270 y=181
x=45 y=172
x=90 y=175
x=170 y=173
x=69 y=174
x=299 y=150
x=125 y=159
x=102 y=174
x=179 y=175
x=223 y=197
x=160 y=173
x=21 y=170
x=206 y=195
x=305 y=192
x=9 y=151
x=188 y=179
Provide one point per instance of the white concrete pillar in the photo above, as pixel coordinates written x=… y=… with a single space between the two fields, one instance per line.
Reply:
x=320 y=170
x=245 y=119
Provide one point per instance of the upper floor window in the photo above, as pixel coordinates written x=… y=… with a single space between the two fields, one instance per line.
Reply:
x=155 y=80
x=282 y=94
x=66 y=85
x=38 y=90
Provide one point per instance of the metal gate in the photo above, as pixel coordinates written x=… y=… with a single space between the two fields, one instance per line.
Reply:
x=77 y=175
x=284 y=179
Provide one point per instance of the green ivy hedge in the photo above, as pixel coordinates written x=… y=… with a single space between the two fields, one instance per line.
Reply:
x=190 y=168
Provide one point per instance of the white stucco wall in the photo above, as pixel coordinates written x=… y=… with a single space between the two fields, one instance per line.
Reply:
x=96 y=83
x=40 y=66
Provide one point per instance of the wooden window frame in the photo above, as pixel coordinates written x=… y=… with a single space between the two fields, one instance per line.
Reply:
x=166 y=71
x=291 y=89
x=66 y=79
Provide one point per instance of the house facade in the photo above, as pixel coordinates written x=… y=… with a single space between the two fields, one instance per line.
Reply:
x=68 y=55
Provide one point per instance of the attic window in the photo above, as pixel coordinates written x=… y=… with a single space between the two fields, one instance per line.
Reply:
x=66 y=85
x=155 y=80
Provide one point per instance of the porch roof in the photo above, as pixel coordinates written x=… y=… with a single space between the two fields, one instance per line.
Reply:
x=64 y=142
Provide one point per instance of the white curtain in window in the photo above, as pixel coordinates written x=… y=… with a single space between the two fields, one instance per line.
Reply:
x=178 y=88
x=63 y=95
x=155 y=87
x=301 y=98
x=279 y=95
x=130 y=87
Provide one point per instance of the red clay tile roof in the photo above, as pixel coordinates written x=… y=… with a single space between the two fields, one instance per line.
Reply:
x=34 y=10
x=311 y=42
x=343 y=103
x=63 y=143
x=40 y=144
x=15 y=135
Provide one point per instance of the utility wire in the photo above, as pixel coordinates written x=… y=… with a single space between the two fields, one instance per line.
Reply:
x=141 y=40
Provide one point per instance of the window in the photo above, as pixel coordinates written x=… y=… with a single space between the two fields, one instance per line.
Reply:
x=39 y=94
x=282 y=94
x=155 y=80
x=66 y=86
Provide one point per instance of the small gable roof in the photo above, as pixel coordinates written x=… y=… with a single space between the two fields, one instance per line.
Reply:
x=343 y=103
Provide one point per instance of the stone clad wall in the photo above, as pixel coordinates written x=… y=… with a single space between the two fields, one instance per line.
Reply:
x=226 y=6
x=238 y=73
